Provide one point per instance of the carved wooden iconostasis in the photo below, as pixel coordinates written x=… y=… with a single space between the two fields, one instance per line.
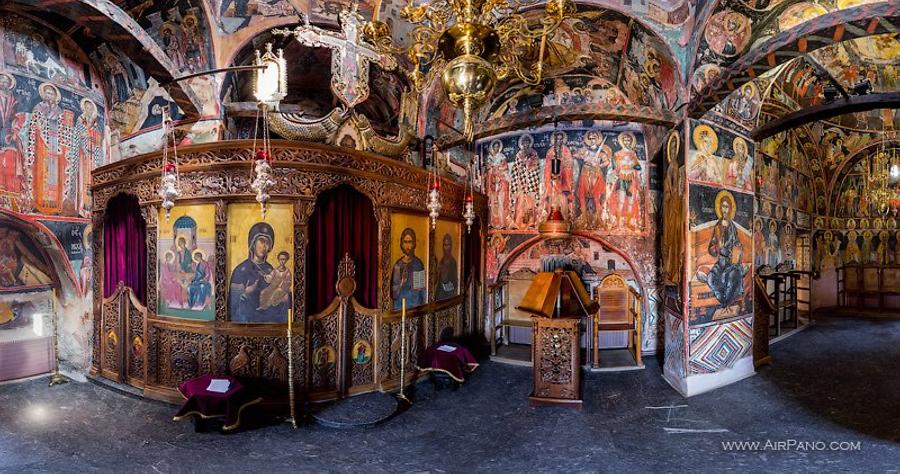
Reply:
x=194 y=322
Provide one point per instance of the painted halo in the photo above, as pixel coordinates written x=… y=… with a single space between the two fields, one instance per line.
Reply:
x=44 y=87
x=713 y=142
x=722 y=196
x=629 y=137
x=10 y=78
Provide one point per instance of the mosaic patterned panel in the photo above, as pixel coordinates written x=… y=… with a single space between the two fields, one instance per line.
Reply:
x=718 y=347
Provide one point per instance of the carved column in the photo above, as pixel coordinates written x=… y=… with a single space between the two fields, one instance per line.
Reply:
x=220 y=341
x=383 y=214
x=151 y=218
x=303 y=209
x=97 y=289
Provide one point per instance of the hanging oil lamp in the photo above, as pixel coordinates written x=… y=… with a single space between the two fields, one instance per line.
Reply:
x=556 y=226
x=469 y=207
x=263 y=179
x=434 y=199
x=168 y=189
x=270 y=87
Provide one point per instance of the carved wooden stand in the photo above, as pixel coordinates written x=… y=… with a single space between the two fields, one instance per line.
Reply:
x=555 y=356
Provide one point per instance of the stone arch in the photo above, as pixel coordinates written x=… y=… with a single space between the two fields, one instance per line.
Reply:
x=537 y=239
x=51 y=252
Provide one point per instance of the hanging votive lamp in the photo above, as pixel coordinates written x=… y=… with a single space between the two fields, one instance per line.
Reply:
x=168 y=190
x=434 y=200
x=469 y=202
x=469 y=214
x=168 y=187
x=263 y=180
x=270 y=87
x=556 y=226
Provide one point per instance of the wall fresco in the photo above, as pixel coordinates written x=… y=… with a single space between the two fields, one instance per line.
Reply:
x=603 y=179
x=51 y=123
x=233 y=15
x=720 y=254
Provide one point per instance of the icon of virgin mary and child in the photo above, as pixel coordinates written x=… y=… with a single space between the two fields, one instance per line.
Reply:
x=259 y=292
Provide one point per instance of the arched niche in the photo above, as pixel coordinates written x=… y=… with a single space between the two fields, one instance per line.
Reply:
x=124 y=246
x=345 y=208
x=592 y=257
x=32 y=270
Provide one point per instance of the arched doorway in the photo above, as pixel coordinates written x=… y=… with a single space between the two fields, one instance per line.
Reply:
x=588 y=255
x=342 y=225
x=27 y=277
x=123 y=314
x=124 y=247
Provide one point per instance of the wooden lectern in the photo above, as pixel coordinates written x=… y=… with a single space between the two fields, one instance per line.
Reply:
x=557 y=301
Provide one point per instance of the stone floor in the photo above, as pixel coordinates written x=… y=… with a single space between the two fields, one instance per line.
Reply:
x=835 y=382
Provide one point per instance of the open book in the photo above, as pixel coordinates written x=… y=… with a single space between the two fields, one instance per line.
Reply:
x=218 y=385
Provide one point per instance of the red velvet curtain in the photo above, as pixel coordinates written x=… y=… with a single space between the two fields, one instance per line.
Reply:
x=343 y=221
x=124 y=248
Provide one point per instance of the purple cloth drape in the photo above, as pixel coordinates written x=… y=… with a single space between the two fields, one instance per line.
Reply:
x=124 y=248
x=343 y=222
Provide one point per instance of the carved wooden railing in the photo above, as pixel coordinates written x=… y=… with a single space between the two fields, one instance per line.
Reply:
x=356 y=350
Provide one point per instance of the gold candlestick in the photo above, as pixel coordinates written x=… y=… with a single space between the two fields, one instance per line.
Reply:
x=57 y=378
x=401 y=396
x=290 y=351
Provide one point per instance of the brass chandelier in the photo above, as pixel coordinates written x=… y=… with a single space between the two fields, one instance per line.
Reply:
x=472 y=44
x=883 y=177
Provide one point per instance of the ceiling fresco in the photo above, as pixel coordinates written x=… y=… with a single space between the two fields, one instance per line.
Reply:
x=598 y=57
x=729 y=52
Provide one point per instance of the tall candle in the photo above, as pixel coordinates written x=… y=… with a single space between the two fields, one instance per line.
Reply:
x=290 y=318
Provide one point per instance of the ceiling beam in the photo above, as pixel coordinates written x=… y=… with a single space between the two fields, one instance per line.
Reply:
x=856 y=103
x=251 y=109
x=113 y=25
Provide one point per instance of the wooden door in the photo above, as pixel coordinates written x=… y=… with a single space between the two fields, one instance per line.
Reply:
x=342 y=343
x=123 y=338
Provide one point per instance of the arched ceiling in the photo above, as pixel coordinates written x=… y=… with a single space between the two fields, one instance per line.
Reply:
x=741 y=39
x=801 y=83
x=602 y=64
x=95 y=23
x=618 y=59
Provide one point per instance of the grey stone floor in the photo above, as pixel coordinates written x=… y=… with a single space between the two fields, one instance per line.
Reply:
x=838 y=381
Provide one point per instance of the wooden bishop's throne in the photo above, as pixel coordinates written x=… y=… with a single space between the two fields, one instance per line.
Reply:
x=557 y=301
x=619 y=309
